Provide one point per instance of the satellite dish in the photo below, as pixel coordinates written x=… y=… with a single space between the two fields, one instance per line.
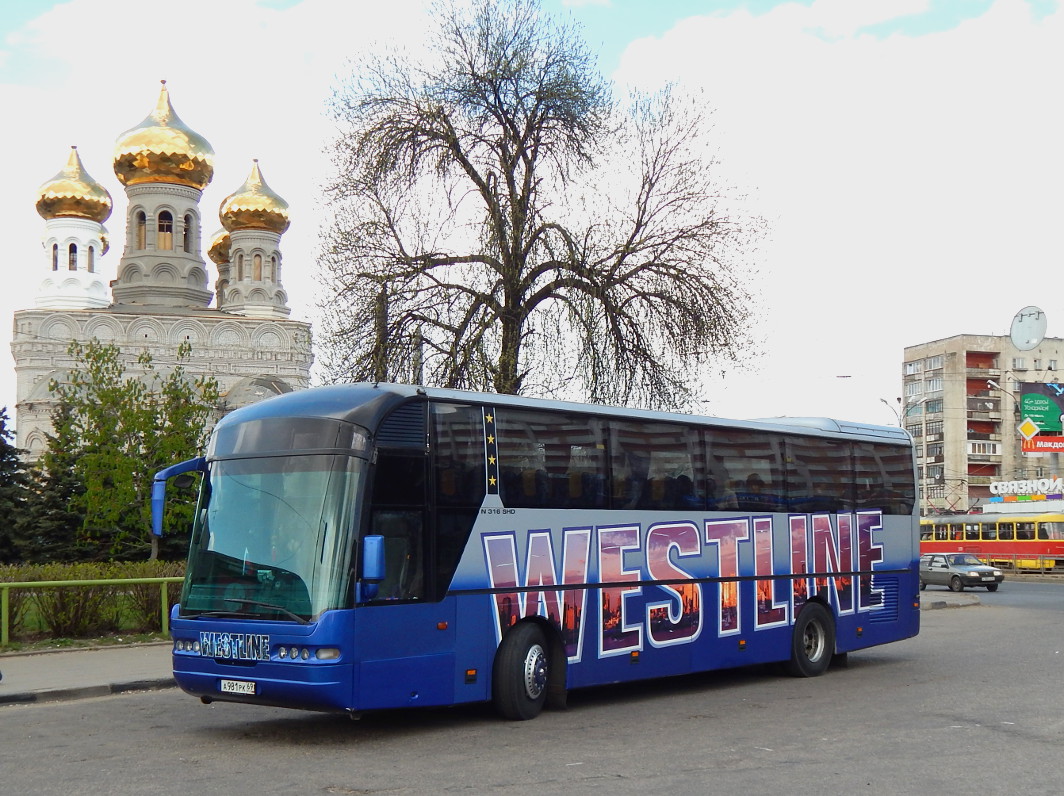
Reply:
x=1028 y=328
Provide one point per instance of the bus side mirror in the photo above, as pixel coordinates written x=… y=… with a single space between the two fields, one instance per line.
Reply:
x=158 y=488
x=372 y=566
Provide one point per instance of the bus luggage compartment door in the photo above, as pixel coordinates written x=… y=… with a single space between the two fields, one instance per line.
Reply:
x=406 y=655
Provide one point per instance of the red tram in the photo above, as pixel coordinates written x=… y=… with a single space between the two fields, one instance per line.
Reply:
x=1025 y=541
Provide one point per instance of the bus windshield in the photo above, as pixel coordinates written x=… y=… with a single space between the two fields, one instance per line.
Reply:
x=274 y=539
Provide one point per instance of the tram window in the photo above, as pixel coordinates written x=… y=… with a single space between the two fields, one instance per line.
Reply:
x=1055 y=530
x=941 y=533
x=1006 y=531
x=956 y=532
x=1024 y=530
x=989 y=532
x=971 y=531
x=1043 y=531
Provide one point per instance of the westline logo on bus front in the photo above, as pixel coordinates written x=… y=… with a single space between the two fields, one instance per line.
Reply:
x=839 y=544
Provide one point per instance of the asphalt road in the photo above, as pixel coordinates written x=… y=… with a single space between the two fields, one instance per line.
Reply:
x=971 y=705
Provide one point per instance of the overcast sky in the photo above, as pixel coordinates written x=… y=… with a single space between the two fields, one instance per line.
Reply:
x=906 y=154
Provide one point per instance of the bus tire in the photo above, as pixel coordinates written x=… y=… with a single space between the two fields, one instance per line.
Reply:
x=812 y=641
x=520 y=674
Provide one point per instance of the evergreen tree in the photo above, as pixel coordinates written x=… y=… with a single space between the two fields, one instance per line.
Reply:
x=14 y=489
x=50 y=526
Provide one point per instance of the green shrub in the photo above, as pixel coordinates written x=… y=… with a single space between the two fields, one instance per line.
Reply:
x=86 y=611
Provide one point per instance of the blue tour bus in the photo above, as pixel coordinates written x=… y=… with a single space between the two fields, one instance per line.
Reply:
x=368 y=546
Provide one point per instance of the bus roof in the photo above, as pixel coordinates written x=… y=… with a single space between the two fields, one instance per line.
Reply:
x=368 y=403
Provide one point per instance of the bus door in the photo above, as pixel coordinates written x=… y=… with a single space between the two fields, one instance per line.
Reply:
x=405 y=639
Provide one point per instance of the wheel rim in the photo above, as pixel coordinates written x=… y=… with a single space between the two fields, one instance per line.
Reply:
x=813 y=640
x=535 y=671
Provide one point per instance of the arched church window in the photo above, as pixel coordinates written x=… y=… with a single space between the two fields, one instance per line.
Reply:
x=270 y=274
x=188 y=234
x=142 y=230
x=165 y=240
x=240 y=267
x=257 y=268
x=92 y=259
x=55 y=256
x=72 y=257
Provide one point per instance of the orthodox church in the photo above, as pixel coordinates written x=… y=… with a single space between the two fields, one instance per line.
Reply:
x=160 y=297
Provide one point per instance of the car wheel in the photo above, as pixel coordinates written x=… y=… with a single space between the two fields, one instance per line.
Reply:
x=519 y=678
x=991 y=587
x=955 y=583
x=813 y=642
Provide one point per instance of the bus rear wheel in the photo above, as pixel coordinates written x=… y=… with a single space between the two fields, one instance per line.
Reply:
x=520 y=674
x=813 y=642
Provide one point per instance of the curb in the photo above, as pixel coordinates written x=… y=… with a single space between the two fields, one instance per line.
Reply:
x=86 y=692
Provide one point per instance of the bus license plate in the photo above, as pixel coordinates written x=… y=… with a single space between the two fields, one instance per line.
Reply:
x=237 y=687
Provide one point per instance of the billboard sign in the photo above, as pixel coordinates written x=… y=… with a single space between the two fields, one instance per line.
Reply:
x=1043 y=403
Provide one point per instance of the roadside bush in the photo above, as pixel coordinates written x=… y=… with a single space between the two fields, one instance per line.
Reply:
x=77 y=611
x=18 y=599
x=143 y=599
x=86 y=611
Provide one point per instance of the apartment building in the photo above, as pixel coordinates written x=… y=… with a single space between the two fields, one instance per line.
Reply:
x=961 y=402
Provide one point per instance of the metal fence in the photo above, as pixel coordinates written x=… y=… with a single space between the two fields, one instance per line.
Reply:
x=6 y=588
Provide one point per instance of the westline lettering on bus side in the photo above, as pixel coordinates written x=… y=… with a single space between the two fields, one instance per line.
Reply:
x=829 y=548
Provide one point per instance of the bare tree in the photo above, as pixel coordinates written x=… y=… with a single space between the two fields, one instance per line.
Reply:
x=502 y=223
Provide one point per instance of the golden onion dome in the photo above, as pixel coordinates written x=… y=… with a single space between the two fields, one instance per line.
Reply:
x=163 y=149
x=254 y=206
x=218 y=248
x=72 y=193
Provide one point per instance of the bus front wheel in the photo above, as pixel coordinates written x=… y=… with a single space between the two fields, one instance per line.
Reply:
x=519 y=677
x=813 y=641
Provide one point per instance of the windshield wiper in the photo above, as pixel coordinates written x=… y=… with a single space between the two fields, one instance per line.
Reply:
x=259 y=604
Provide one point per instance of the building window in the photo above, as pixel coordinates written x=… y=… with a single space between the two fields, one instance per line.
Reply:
x=256 y=267
x=914 y=388
x=165 y=239
x=55 y=256
x=270 y=275
x=1052 y=364
x=142 y=231
x=240 y=267
x=934 y=385
x=1019 y=363
x=92 y=259
x=1037 y=364
x=912 y=368
x=917 y=430
x=934 y=363
x=984 y=448
x=187 y=237
x=72 y=257
x=934 y=407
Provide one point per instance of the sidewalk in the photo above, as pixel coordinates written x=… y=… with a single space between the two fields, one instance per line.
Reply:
x=86 y=672
x=100 y=671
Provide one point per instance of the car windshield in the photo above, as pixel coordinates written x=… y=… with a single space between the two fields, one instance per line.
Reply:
x=272 y=538
x=965 y=560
